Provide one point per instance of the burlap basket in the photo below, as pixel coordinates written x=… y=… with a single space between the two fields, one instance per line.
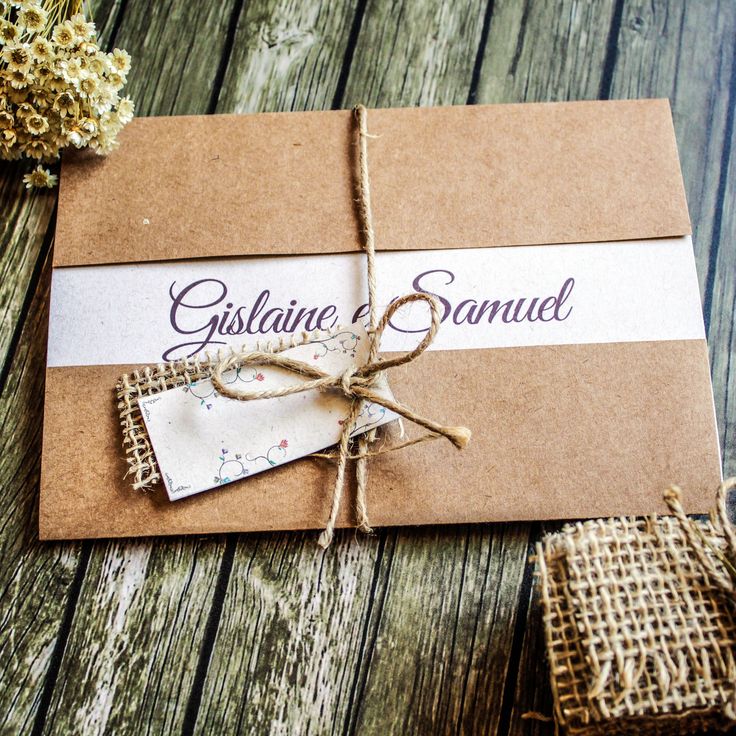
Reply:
x=640 y=623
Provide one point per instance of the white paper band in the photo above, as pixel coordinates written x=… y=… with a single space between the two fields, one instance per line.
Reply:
x=628 y=291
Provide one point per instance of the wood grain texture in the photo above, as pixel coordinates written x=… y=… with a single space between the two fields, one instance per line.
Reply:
x=133 y=648
x=410 y=53
x=25 y=222
x=685 y=52
x=549 y=51
x=436 y=656
x=135 y=638
x=287 y=55
x=289 y=637
x=428 y=631
x=36 y=581
x=178 y=47
x=313 y=621
x=722 y=312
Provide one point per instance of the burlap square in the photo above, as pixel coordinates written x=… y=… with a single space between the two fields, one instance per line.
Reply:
x=639 y=640
x=153 y=379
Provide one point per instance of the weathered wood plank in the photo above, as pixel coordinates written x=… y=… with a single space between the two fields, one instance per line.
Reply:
x=531 y=692
x=415 y=54
x=133 y=649
x=540 y=52
x=294 y=617
x=25 y=223
x=438 y=640
x=176 y=48
x=722 y=308
x=291 y=625
x=281 y=628
x=35 y=580
x=134 y=642
x=683 y=51
x=287 y=55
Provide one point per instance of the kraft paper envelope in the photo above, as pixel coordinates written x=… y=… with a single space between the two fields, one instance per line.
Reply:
x=590 y=408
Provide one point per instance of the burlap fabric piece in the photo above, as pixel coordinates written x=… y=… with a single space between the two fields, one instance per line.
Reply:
x=639 y=640
x=153 y=379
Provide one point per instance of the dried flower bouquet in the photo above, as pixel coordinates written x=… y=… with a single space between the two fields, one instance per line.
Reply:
x=57 y=87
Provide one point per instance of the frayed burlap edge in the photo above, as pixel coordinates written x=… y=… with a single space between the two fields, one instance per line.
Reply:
x=153 y=379
x=639 y=640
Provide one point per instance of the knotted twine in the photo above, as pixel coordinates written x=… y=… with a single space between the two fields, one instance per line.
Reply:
x=357 y=383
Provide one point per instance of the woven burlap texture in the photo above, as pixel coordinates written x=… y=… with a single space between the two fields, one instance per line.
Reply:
x=154 y=379
x=638 y=639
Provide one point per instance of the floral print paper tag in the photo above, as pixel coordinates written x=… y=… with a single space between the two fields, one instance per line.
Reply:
x=203 y=440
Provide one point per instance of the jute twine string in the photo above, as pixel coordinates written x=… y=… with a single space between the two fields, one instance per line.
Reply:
x=357 y=383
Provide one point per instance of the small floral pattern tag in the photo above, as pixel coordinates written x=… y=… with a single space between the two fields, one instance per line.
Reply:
x=203 y=440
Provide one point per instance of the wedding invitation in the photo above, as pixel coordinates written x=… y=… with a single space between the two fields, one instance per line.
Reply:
x=554 y=236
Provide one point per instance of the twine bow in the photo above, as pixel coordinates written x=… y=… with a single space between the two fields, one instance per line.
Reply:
x=357 y=383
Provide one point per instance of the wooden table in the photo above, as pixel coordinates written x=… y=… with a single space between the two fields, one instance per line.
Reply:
x=415 y=631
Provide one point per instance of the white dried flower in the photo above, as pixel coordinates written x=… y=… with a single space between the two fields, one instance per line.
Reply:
x=84 y=29
x=88 y=125
x=71 y=69
x=17 y=56
x=18 y=79
x=24 y=110
x=40 y=178
x=36 y=148
x=64 y=103
x=41 y=49
x=59 y=91
x=96 y=64
x=121 y=60
x=9 y=32
x=125 y=110
x=88 y=85
x=33 y=18
x=8 y=137
x=36 y=124
x=63 y=35
x=116 y=80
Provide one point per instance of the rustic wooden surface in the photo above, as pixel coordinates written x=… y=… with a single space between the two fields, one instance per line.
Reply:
x=414 y=631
